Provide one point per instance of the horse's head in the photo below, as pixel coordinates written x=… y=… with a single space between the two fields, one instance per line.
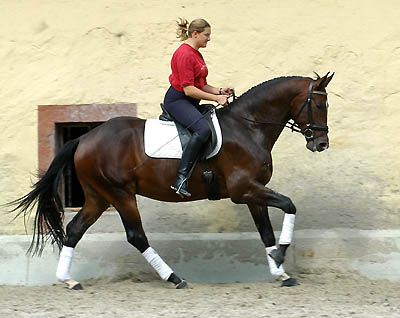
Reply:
x=309 y=110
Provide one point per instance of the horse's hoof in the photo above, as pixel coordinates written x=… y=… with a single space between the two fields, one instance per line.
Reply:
x=290 y=282
x=73 y=285
x=77 y=287
x=182 y=285
x=277 y=256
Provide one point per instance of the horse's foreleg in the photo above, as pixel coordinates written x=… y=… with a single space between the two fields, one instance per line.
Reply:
x=131 y=220
x=286 y=237
x=266 y=197
x=261 y=219
x=257 y=196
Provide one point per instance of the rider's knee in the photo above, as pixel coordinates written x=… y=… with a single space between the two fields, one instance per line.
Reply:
x=205 y=133
x=202 y=129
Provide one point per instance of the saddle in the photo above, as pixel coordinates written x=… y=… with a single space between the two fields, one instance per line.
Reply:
x=184 y=134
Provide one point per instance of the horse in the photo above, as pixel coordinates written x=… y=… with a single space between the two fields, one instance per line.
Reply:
x=112 y=168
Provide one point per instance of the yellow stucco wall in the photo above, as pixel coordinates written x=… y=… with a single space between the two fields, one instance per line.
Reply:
x=98 y=51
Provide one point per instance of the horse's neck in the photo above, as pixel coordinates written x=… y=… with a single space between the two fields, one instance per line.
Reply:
x=266 y=119
x=267 y=109
x=275 y=119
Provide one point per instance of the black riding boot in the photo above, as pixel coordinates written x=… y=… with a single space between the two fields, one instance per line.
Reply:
x=189 y=157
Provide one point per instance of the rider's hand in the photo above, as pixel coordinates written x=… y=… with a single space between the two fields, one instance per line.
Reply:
x=227 y=91
x=221 y=99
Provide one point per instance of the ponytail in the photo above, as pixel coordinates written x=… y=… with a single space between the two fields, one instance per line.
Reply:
x=182 y=29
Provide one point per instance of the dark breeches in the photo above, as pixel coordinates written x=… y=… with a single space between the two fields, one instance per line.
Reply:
x=184 y=110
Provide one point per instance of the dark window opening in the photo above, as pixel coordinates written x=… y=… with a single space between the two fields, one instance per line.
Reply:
x=71 y=190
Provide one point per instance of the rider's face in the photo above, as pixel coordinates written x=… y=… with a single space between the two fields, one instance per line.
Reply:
x=203 y=37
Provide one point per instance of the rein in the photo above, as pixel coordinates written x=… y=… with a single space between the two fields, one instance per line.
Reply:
x=308 y=132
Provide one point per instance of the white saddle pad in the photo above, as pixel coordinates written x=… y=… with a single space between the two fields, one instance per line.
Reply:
x=161 y=139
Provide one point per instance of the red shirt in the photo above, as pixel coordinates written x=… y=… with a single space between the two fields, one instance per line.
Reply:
x=188 y=68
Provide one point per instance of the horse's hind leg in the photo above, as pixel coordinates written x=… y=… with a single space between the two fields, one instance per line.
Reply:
x=94 y=206
x=261 y=219
x=127 y=208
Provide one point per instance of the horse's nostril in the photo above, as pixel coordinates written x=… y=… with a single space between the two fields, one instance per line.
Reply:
x=322 y=146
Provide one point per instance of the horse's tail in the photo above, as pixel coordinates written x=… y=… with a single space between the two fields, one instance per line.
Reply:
x=48 y=223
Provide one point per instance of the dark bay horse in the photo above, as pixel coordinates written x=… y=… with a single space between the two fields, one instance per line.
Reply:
x=112 y=167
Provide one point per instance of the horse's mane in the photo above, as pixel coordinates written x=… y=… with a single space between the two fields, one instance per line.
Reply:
x=268 y=85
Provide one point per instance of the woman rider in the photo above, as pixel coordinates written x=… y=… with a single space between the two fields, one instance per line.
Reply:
x=188 y=87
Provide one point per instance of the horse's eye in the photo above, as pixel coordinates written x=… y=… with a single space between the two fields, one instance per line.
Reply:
x=322 y=106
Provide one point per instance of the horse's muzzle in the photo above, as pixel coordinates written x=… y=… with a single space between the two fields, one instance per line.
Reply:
x=318 y=144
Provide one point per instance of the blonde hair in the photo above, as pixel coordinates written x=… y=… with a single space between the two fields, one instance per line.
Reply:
x=184 y=30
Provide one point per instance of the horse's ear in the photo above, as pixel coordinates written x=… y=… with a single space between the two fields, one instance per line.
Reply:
x=328 y=79
x=324 y=81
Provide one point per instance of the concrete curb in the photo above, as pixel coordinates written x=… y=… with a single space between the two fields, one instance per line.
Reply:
x=208 y=257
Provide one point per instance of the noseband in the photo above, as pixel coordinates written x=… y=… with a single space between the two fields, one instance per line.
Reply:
x=308 y=132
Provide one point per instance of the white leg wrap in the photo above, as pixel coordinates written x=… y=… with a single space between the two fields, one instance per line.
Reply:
x=287 y=229
x=158 y=264
x=275 y=271
x=64 y=264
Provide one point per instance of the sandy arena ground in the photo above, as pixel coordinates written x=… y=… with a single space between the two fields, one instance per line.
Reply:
x=320 y=294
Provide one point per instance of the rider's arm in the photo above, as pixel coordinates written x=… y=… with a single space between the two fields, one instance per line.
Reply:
x=194 y=92
x=218 y=91
x=211 y=89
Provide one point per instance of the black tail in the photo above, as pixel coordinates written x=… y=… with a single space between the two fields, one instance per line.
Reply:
x=49 y=216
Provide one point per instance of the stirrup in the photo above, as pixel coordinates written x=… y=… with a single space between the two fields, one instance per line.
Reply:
x=178 y=190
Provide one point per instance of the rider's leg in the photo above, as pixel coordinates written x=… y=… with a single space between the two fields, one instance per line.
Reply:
x=184 y=110
x=189 y=157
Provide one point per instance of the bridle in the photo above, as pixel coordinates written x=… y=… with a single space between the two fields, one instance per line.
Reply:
x=307 y=132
